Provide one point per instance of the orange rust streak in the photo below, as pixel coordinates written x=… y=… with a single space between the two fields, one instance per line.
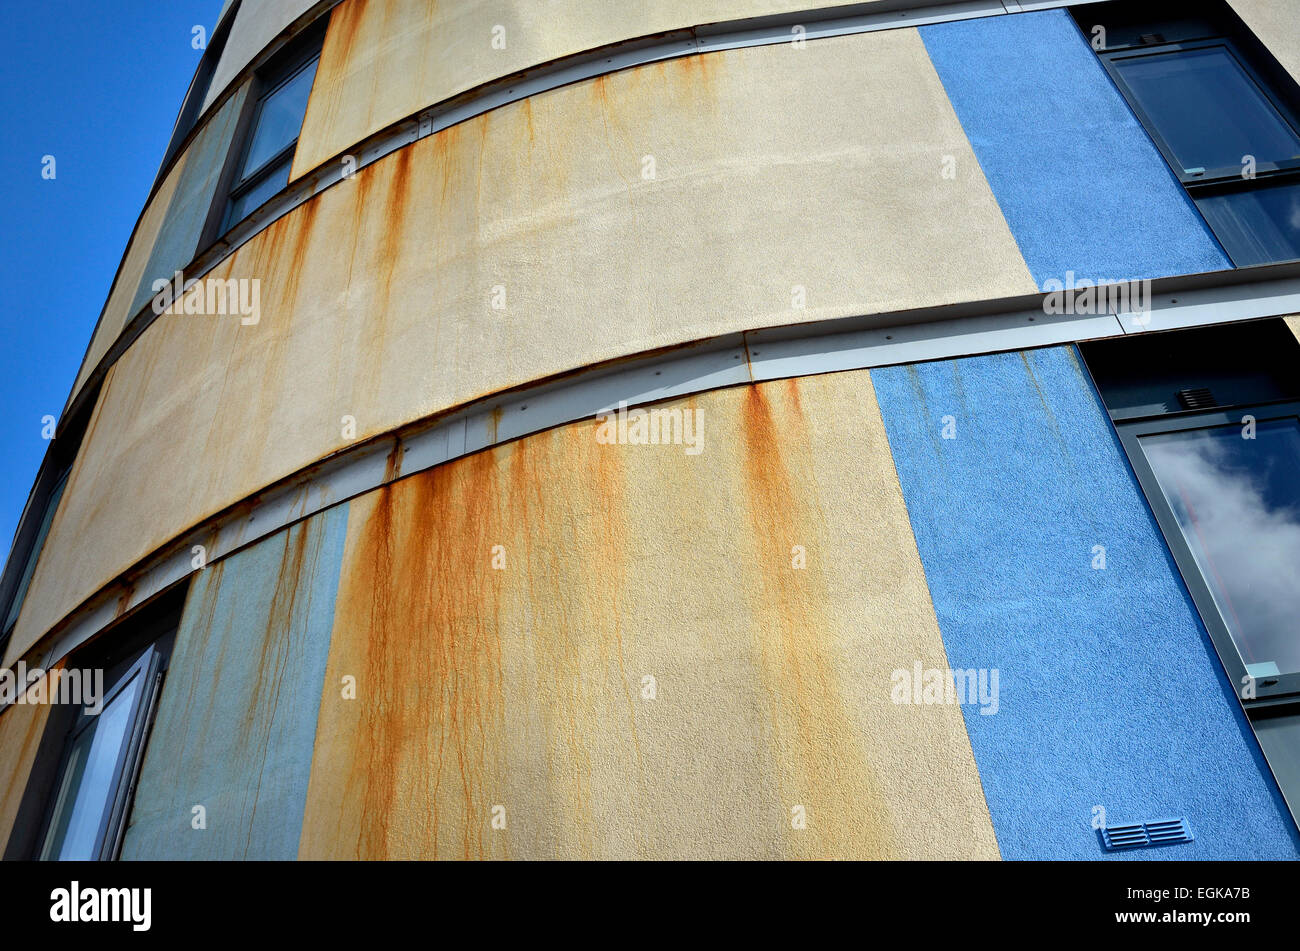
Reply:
x=424 y=621
x=808 y=702
x=432 y=661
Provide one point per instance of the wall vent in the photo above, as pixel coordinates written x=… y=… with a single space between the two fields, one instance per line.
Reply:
x=1197 y=398
x=1145 y=835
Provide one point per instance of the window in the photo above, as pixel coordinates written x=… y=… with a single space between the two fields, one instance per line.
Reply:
x=1259 y=225
x=91 y=792
x=1231 y=490
x=1220 y=110
x=1210 y=421
x=38 y=516
x=49 y=505
x=277 y=105
x=79 y=794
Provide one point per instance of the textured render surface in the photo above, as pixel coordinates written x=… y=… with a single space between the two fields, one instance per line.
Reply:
x=1274 y=23
x=385 y=60
x=239 y=743
x=1111 y=694
x=169 y=231
x=182 y=228
x=1079 y=180
x=257 y=23
x=522 y=687
x=21 y=728
x=117 y=310
x=376 y=296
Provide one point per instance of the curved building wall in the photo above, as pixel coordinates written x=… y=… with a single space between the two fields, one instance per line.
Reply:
x=636 y=651
x=376 y=295
x=551 y=583
x=639 y=650
x=170 y=230
x=385 y=60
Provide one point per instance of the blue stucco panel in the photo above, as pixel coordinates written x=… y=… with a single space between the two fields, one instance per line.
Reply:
x=1079 y=181
x=1111 y=694
x=236 y=721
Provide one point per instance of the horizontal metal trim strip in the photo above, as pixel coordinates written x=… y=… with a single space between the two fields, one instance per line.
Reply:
x=807 y=349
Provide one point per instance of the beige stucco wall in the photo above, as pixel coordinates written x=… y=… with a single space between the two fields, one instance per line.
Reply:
x=376 y=295
x=1276 y=23
x=524 y=686
x=384 y=60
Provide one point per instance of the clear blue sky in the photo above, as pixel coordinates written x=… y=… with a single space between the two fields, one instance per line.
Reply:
x=98 y=86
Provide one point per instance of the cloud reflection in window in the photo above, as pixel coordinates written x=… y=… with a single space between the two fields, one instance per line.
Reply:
x=1237 y=501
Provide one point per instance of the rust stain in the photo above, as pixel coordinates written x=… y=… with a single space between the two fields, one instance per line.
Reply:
x=341 y=37
x=426 y=603
x=1042 y=399
x=423 y=620
x=622 y=156
x=809 y=707
x=446 y=156
x=392 y=228
x=796 y=404
x=482 y=123
x=281 y=255
x=276 y=647
x=526 y=106
x=694 y=78
x=393 y=462
x=574 y=596
x=124 y=599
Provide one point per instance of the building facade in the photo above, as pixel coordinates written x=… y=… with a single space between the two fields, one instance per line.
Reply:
x=712 y=429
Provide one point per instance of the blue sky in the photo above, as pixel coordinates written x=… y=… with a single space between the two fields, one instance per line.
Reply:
x=97 y=86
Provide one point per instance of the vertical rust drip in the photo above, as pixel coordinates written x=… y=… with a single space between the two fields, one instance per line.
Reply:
x=809 y=708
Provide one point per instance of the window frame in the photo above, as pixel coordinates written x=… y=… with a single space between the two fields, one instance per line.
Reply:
x=43 y=502
x=49 y=506
x=1111 y=58
x=1130 y=431
x=147 y=636
x=238 y=189
x=298 y=53
x=121 y=787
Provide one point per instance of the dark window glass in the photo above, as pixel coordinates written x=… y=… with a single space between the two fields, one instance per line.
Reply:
x=266 y=186
x=261 y=168
x=1258 y=225
x=1207 y=108
x=279 y=120
x=1237 y=502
